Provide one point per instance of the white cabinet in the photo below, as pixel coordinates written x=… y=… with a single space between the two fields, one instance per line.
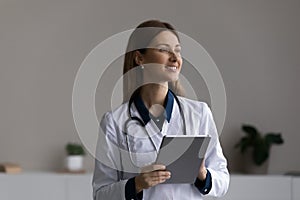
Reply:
x=45 y=186
x=296 y=188
x=53 y=186
x=260 y=187
x=31 y=186
x=79 y=187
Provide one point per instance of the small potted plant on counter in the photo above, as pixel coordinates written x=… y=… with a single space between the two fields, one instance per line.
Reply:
x=257 y=147
x=75 y=154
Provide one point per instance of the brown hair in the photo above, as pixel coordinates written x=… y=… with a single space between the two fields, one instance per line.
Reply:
x=138 y=41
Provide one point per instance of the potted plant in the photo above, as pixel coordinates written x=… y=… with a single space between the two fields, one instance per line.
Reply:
x=74 y=160
x=258 y=144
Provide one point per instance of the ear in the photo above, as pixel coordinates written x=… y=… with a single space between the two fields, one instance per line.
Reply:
x=138 y=58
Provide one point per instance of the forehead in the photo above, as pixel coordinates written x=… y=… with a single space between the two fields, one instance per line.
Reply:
x=164 y=37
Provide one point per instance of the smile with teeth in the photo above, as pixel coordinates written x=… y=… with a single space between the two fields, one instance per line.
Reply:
x=171 y=68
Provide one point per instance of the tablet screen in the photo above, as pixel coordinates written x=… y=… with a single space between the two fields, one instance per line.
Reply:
x=182 y=155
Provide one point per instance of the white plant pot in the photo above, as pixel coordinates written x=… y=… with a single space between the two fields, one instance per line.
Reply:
x=74 y=163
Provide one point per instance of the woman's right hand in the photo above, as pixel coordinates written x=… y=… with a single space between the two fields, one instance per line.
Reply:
x=150 y=176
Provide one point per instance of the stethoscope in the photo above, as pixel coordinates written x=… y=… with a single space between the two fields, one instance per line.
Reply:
x=141 y=123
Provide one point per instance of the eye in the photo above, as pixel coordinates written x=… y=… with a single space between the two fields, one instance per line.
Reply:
x=162 y=49
x=177 y=50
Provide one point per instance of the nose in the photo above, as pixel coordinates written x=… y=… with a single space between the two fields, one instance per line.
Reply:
x=173 y=56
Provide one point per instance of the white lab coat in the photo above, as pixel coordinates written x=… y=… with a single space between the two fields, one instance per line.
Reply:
x=109 y=182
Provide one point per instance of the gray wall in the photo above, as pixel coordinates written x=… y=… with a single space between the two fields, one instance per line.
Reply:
x=254 y=43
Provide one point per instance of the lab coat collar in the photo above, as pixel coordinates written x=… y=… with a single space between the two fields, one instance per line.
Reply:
x=144 y=113
x=156 y=135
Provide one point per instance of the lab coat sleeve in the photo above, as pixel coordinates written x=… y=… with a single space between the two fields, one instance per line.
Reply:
x=215 y=161
x=107 y=183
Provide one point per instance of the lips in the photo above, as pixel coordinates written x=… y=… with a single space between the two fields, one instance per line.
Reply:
x=172 y=68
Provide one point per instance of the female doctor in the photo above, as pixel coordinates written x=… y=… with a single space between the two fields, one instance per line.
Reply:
x=130 y=135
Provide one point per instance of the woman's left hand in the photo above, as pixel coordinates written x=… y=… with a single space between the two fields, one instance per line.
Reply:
x=202 y=171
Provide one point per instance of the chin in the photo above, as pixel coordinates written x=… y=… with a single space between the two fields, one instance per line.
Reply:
x=174 y=77
x=159 y=78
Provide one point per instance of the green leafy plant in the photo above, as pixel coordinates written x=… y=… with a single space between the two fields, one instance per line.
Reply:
x=259 y=143
x=75 y=149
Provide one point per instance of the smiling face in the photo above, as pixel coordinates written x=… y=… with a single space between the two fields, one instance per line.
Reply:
x=162 y=60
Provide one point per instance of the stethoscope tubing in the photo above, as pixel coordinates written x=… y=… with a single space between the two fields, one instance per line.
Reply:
x=140 y=121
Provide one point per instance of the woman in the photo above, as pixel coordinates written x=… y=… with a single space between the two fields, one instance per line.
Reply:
x=124 y=166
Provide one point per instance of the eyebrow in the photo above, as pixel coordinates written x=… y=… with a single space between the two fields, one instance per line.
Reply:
x=177 y=45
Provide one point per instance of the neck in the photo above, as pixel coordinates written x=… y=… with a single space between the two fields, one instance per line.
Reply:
x=153 y=96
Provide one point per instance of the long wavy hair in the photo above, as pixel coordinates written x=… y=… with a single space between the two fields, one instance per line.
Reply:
x=139 y=41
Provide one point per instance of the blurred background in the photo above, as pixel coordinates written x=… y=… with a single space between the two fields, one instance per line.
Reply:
x=255 y=45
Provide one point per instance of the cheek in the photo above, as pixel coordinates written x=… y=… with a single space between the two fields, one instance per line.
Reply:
x=180 y=61
x=157 y=59
x=161 y=61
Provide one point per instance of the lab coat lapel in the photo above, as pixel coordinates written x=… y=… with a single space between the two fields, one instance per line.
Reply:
x=154 y=134
x=152 y=130
x=175 y=126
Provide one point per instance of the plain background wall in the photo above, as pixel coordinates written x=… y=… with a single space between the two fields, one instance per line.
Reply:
x=254 y=43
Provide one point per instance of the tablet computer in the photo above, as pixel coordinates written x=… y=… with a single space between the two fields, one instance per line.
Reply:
x=182 y=155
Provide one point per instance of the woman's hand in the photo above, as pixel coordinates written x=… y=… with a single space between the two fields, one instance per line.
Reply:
x=151 y=176
x=202 y=171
